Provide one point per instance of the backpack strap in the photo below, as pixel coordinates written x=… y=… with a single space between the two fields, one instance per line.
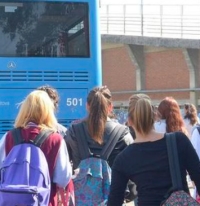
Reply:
x=115 y=135
x=16 y=135
x=196 y=127
x=107 y=149
x=41 y=137
x=38 y=141
x=81 y=135
x=173 y=161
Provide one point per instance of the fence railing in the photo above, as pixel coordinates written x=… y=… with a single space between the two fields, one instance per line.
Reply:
x=170 y=21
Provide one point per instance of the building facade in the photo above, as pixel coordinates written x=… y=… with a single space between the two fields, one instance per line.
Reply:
x=156 y=71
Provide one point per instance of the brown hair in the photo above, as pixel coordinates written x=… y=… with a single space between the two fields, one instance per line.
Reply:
x=191 y=113
x=98 y=100
x=141 y=113
x=170 y=111
x=52 y=92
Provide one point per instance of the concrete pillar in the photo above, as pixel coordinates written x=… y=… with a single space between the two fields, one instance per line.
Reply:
x=136 y=53
x=191 y=58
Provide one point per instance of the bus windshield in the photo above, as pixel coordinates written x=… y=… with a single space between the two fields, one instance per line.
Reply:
x=44 y=29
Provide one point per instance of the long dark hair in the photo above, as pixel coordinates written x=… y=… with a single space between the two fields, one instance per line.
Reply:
x=98 y=100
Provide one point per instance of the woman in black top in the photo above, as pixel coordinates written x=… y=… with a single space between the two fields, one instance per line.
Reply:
x=146 y=162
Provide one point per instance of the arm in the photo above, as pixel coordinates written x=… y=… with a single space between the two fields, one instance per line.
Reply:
x=72 y=144
x=118 y=186
x=195 y=140
x=123 y=142
x=192 y=162
x=63 y=170
x=2 y=149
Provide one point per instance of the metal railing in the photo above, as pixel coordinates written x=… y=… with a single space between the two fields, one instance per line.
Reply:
x=170 y=21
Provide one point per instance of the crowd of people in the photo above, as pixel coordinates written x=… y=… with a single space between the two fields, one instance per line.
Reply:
x=139 y=154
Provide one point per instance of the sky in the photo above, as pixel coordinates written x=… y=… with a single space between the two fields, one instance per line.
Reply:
x=189 y=2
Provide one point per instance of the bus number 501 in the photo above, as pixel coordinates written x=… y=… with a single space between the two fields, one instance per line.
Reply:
x=74 y=102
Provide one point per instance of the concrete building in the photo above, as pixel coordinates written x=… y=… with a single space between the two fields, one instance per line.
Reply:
x=148 y=51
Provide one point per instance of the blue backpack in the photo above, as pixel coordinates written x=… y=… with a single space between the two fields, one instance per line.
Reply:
x=24 y=174
x=93 y=175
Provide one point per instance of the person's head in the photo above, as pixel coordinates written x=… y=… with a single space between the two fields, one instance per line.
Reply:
x=191 y=113
x=37 y=108
x=99 y=106
x=170 y=111
x=53 y=94
x=157 y=115
x=141 y=113
x=112 y=115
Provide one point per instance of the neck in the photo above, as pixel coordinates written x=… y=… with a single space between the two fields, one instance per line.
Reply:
x=150 y=137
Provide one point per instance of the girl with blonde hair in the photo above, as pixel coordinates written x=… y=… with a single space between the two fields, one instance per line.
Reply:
x=39 y=109
x=37 y=113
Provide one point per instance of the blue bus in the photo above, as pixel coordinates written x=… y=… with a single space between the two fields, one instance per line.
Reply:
x=54 y=42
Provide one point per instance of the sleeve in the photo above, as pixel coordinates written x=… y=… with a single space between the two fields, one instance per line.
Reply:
x=128 y=139
x=192 y=162
x=118 y=184
x=2 y=149
x=195 y=140
x=62 y=164
x=123 y=142
x=160 y=126
x=72 y=147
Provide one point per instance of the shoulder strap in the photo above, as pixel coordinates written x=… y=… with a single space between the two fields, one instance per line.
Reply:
x=16 y=135
x=107 y=149
x=81 y=135
x=38 y=141
x=173 y=161
x=41 y=137
x=198 y=128
x=115 y=135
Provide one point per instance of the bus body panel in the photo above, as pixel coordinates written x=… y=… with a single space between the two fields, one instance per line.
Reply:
x=73 y=77
x=72 y=101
